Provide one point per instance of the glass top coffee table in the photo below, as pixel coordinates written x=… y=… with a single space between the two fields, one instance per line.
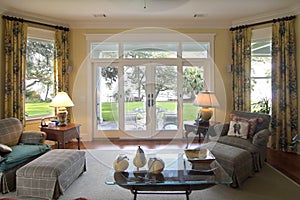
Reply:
x=180 y=176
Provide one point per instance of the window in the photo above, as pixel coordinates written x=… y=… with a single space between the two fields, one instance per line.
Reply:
x=39 y=73
x=145 y=84
x=261 y=93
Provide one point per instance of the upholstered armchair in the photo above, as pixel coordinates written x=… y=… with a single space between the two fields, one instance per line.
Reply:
x=17 y=148
x=255 y=139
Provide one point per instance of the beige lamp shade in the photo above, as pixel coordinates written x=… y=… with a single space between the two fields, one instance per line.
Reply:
x=62 y=99
x=206 y=99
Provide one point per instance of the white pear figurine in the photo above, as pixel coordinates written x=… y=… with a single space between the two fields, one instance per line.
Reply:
x=121 y=163
x=140 y=158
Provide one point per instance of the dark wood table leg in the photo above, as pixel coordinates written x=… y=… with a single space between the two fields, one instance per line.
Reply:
x=78 y=138
x=134 y=192
x=187 y=194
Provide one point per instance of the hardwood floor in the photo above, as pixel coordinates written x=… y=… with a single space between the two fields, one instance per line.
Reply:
x=287 y=163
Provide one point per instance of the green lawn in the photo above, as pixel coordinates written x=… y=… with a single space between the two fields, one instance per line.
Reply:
x=110 y=110
x=39 y=108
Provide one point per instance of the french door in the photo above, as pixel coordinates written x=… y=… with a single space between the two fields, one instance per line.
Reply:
x=138 y=100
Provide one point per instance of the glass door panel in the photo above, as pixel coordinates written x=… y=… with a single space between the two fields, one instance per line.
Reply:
x=107 y=111
x=193 y=83
x=166 y=97
x=134 y=98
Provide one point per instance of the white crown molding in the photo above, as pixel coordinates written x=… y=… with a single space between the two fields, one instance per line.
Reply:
x=295 y=10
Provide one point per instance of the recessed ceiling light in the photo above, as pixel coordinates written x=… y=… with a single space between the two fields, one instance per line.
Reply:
x=99 y=15
x=199 y=15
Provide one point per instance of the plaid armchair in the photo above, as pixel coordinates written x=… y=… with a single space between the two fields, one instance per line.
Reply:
x=17 y=148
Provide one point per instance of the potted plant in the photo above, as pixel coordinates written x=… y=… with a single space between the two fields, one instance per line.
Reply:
x=262 y=106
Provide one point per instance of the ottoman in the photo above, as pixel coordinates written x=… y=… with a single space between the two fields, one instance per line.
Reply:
x=236 y=162
x=48 y=176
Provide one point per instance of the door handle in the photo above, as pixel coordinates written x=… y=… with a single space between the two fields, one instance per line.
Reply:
x=149 y=100
x=152 y=100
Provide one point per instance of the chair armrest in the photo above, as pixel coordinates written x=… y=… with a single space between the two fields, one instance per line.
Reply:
x=219 y=129
x=33 y=137
x=261 y=138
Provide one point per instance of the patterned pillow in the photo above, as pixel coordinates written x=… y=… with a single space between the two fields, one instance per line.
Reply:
x=252 y=123
x=238 y=129
x=5 y=149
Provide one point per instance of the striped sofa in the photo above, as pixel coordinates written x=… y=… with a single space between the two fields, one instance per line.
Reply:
x=17 y=148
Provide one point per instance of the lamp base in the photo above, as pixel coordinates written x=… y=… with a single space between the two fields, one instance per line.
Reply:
x=62 y=116
x=205 y=113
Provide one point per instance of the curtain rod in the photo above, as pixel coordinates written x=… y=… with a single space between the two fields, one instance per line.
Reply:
x=34 y=22
x=261 y=23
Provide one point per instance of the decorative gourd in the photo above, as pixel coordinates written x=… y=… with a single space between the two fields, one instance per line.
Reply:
x=121 y=163
x=156 y=165
x=140 y=158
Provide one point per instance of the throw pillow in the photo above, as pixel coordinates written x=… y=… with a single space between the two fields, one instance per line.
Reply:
x=238 y=129
x=252 y=123
x=5 y=149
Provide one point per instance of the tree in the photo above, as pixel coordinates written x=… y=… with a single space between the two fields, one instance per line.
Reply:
x=166 y=79
x=136 y=75
x=39 y=64
x=193 y=82
x=110 y=75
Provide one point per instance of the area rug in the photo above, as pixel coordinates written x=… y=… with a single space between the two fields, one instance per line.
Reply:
x=268 y=184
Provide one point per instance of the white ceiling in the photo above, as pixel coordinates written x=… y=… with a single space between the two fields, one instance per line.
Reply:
x=149 y=13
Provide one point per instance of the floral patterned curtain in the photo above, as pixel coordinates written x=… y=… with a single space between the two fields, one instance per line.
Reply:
x=284 y=84
x=15 y=39
x=241 y=67
x=61 y=62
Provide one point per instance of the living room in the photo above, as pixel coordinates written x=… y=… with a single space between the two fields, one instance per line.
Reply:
x=148 y=21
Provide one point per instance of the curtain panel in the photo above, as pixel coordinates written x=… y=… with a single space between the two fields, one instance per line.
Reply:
x=241 y=67
x=61 y=63
x=284 y=84
x=15 y=39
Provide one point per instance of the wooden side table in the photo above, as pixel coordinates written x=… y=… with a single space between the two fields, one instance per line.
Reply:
x=198 y=130
x=63 y=134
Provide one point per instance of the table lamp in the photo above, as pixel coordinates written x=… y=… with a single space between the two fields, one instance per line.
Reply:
x=206 y=100
x=61 y=101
